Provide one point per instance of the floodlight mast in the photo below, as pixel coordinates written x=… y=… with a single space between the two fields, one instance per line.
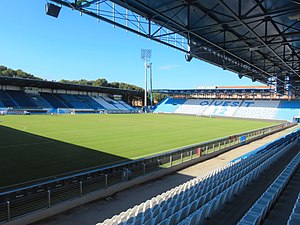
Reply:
x=146 y=56
x=151 y=97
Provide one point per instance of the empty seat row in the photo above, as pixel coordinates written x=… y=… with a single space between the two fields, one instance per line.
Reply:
x=260 y=109
x=216 y=203
x=104 y=103
x=203 y=195
x=295 y=215
x=262 y=206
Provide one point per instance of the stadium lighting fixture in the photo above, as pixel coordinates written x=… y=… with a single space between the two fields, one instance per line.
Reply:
x=146 y=56
x=52 y=10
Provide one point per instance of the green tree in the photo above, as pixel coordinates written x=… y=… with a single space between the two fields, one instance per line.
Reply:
x=158 y=96
x=100 y=82
x=114 y=84
x=2 y=68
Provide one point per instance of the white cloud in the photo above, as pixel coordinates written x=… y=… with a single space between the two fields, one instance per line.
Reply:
x=169 y=67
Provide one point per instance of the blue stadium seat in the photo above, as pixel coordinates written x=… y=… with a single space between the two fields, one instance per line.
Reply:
x=53 y=100
x=169 y=105
x=6 y=100
x=288 y=109
x=21 y=99
x=39 y=101
x=89 y=100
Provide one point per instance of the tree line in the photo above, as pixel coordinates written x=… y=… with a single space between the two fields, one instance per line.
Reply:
x=8 y=72
x=102 y=82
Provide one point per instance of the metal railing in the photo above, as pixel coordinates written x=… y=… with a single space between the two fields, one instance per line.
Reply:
x=24 y=200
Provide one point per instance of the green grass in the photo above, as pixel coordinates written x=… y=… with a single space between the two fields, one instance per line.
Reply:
x=34 y=147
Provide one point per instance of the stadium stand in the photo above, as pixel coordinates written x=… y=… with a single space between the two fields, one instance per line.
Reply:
x=104 y=103
x=169 y=105
x=16 y=100
x=90 y=101
x=21 y=99
x=193 y=106
x=118 y=105
x=6 y=100
x=53 y=100
x=288 y=109
x=262 y=206
x=222 y=107
x=194 y=201
x=295 y=215
x=125 y=105
x=72 y=101
x=39 y=101
x=256 y=109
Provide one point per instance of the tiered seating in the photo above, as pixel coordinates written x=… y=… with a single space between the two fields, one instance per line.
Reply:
x=104 y=103
x=288 y=109
x=199 y=198
x=73 y=102
x=117 y=104
x=262 y=206
x=21 y=99
x=193 y=106
x=256 y=109
x=259 y=109
x=90 y=101
x=295 y=215
x=169 y=105
x=39 y=101
x=125 y=105
x=53 y=100
x=222 y=107
x=6 y=100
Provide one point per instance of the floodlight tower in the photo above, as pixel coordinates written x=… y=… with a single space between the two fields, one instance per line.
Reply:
x=146 y=56
x=151 y=97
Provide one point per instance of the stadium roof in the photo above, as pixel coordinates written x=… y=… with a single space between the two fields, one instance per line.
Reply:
x=259 y=39
x=22 y=82
x=207 y=91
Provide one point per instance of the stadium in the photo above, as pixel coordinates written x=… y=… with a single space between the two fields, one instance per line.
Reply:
x=112 y=153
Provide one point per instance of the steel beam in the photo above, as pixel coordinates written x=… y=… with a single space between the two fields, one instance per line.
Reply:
x=257 y=36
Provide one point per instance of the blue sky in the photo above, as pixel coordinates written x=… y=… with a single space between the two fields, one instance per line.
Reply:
x=77 y=47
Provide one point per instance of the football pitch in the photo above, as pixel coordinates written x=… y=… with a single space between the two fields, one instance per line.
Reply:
x=39 y=146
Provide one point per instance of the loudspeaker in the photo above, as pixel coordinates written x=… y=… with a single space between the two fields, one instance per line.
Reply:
x=188 y=57
x=52 y=10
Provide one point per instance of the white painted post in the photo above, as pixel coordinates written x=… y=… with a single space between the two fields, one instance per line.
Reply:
x=80 y=188
x=8 y=211
x=49 y=198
